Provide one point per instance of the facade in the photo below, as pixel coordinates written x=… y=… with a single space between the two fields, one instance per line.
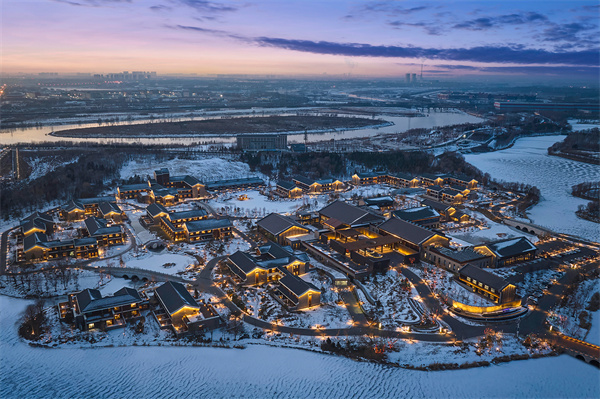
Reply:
x=288 y=189
x=487 y=284
x=258 y=142
x=509 y=251
x=234 y=184
x=179 y=311
x=37 y=247
x=130 y=191
x=83 y=207
x=412 y=235
x=208 y=229
x=103 y=232
x=279 y=228
x=455 y=260
x=270 y=263
x=297 y=294
x=423 y=216
x=89 y=310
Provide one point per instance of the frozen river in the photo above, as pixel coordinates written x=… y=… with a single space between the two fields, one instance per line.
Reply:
x=261 y=372
x=400 y=124
x=528 y=162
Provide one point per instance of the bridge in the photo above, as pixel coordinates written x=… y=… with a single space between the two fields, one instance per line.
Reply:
x=577 y=348
x=528 y=227
x=136 y=274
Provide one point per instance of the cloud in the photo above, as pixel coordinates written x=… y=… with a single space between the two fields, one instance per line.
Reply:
x=390 y=8
x=431 y=29
x=208 y=6
x=525 y=70
x=504 y=54
x=91 y=3
x=485 y=23
x=566 y=32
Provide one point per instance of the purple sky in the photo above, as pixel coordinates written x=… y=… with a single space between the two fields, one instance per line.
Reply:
x=361 y=38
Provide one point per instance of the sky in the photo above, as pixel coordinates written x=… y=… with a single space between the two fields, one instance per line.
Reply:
x=306 y=37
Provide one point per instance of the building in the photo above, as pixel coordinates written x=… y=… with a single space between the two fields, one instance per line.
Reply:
x=511 y=106
x=208 y=229
x=156 y=211
x=288 y=189
x=367 y=178
x=80 y=208
x=324 y=185
x=259 y=142
x=423 y=216
x=453 y=260
x=270 y=263
x=179 y=311
x=89 y=310
x=110 y=210
x=411 y=235
x=446 y=211
x=297 y=294
x=103 y=232
x=280 y=229
x=340 y=215
x=509 y=251
x=180 y=187
x=445 y=194
x=487 y=284
x=130 y=191
x=234 y=184
x=37 y=222
x=37 y=247
x=380 y=203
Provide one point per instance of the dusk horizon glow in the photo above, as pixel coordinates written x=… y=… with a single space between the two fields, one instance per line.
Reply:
x=370 y=39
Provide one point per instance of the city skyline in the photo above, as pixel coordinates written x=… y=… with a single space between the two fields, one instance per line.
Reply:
x=372 y=39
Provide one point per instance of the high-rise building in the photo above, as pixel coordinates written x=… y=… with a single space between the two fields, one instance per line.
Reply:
x=408 y=78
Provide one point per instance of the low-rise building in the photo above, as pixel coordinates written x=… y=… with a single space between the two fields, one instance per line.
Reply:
x=208 y=229
x=297 y=294
x=412 y=235
x=340 y=215
x=423 y=216
x=37 y=222
x=487 y=284
x=179 y=311
x=453 y=260
x=130 y=191
x=103 y=232
x=90 y=310
x=509 y=251
x=279 y=228
x=36 y=246
x=288 y=189
x=234 y=184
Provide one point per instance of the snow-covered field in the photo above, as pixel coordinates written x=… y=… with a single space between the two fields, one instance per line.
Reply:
x=163 y=263
x=528 y=162
x=158 y=372
x=207 y=169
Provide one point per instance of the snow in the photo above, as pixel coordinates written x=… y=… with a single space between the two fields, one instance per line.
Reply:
x=593 y=336
x=207 y=169
x=528 y=162
x=163 y=263
x=157 y=372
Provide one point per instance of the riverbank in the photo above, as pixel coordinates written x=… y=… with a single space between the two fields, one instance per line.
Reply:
x=226 y=127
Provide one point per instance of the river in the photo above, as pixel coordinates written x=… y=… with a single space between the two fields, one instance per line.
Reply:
x=528 y=162
x=260 y=372
x=400 y=124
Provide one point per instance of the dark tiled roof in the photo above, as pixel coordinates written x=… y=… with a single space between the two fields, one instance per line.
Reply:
x=485 y=277
x=156 y=209
x=220 y=184
x=348 y=214
x=174 y=296
x=134 y=187
x=187 y=214
x=365 y=175
x=98 y=226
x=243 y=261
x=90 y=300
x=511 y=247
x=208 y=224
x=95 y=200
x=108 y=207
x=34 y=239
x=276 y=223
x=286 y=185
x=187 y=179
x=296 y=285
x=438 y=206
x=407 y=231
x=466 y=255
x=73 y=205
x=304 y=180
x=85 y=241
x=416 y=214
x=382 y=201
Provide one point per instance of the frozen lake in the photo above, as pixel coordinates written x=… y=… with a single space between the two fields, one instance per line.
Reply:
x=528 y=162
x=400 y=124
x=260 y=371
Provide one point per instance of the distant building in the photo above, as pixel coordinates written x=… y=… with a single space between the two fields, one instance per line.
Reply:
x=258 y=142
x=555 y=107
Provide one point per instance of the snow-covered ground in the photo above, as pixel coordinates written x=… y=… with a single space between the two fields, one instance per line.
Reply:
x=157 y=372
x=207 y=169
x=593 y=336
x=528 y=162
x=567 y=317
x=164 y=263
x=489 y=231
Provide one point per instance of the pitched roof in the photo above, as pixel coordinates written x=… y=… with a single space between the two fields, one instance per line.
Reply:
x=243 y=261
x=98 y=226
x=406 y=230
x=218 y=184
x=156 y=209
x=275 y=223
x=485 y=277
x=34 y=239
x=174 y=296
x=348 y=214
x=438 y=206
x=187 y=214
x=90 y=300
x=187 y=179
x=465 y=255
x=208 y=224
x=296 y=285
x=416 y=214
x=109 y=207
x=73 y=205
x=134 y=187
x=287 y=185
x=511 y=247
x=95 y=200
